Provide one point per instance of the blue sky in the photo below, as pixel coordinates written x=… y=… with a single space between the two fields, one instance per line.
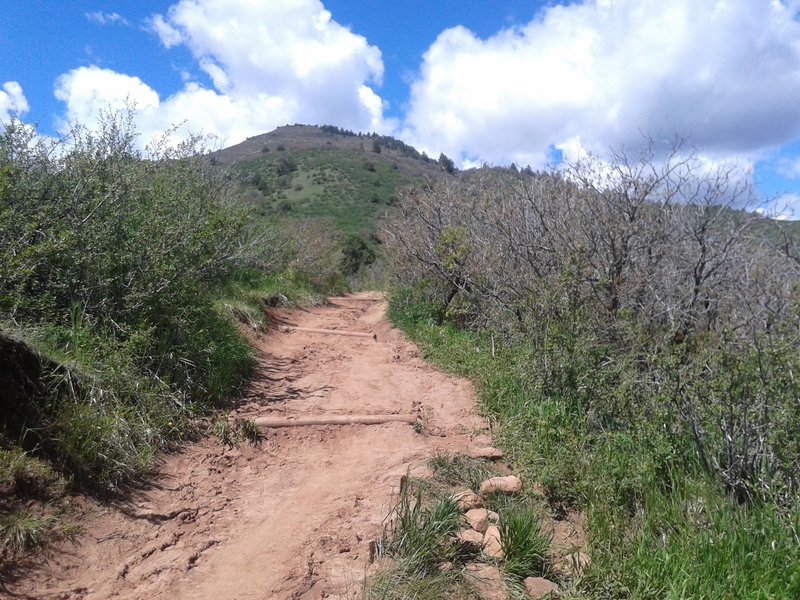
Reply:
x=496 y=81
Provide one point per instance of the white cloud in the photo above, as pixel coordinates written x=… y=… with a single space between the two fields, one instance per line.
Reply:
x=270 y=63
x=168 y=35
x=88 y=90
x=601 y=73
x=12 y=101
x=291 y=49
x=789 y=167
x=104 y=18
x=783 y=208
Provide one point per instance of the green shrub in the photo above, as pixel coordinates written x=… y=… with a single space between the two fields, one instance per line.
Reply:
x=110 y=262
x=356 y=255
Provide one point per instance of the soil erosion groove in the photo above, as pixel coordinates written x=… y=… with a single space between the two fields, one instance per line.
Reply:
x=295 y=515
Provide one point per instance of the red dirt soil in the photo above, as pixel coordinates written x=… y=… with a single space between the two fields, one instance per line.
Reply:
x=292 y=517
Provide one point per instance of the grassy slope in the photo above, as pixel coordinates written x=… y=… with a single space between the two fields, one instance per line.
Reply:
x=653 y=534
x=300 y=171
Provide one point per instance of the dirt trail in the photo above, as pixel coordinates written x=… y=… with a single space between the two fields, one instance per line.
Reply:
x=294 y=516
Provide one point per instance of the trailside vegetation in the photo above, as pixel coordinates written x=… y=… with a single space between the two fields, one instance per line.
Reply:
x=123 y=274
x=637 y=340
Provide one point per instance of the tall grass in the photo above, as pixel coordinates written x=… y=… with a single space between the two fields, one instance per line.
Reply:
x=419 y=534
x=420 y=537
x=660 y=525
x=524 y=546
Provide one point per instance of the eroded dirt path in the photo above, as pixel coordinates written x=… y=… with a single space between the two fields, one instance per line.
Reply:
x=294 y=516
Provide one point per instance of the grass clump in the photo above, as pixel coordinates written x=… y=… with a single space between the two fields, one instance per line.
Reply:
x=226 y=434
x=524 y=546
x=400 y=584
x=231 y=434
x=249 y=430
x=26 y=476
x=450 y=470
x=420 y=538
x=22 y=531
x=420 y=535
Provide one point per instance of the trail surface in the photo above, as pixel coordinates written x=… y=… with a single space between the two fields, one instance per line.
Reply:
x=292 y=517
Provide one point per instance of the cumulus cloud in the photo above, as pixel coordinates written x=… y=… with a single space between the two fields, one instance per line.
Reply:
x=269 y=63
x=601 y=73
x=87 y=90
x=12 y=101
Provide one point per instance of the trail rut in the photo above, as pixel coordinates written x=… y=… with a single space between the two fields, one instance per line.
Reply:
x=293 y=516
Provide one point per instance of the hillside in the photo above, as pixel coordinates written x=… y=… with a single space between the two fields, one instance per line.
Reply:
x=304 y=171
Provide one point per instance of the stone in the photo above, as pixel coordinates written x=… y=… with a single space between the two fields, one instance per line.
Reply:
x=487 y=580
x=580 y=561
x=445 y=566
x=488 y=452
x=510 y=484
x=493 y=517
x=467 y=500
x=478 y=519
x=470 y=537
x=539 y=587
x=491 y=542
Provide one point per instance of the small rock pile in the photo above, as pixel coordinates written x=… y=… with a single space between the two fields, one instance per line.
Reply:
x=480 y=526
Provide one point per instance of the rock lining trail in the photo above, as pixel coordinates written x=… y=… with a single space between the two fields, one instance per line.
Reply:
x=294 y=516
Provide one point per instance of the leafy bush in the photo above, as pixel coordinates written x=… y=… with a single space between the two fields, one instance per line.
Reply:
x=641 y=292
x=356 y=254
x=110 y=262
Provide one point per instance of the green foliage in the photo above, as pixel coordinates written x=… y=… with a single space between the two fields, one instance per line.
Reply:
x=334 y=184
x=249 y=430
x=573 y=421
x=356 y=254
x=454 y=470
x=636 y=312
x=225 y=433
x=399 y=583
x=447 y=163
x=524 y=546
x=419 y=535
x=231 y=435
x=26 y=476
x=23 y=531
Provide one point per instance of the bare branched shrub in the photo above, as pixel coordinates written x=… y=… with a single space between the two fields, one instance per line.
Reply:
x=644 y=263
